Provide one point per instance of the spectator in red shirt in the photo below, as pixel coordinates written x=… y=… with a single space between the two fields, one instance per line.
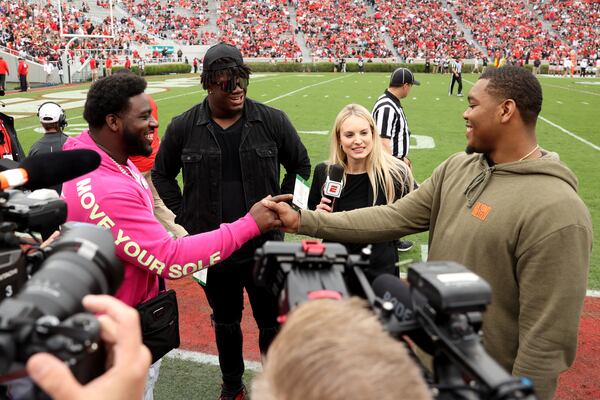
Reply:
x=23 y=70
x=3 y=72
x=127 y=63
x=94 y=68
x=108 y=65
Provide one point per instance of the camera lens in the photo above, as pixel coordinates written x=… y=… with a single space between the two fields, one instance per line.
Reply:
x=83 y=262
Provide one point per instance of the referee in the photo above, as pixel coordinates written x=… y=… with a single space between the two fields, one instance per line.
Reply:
x=391 y=121
x=456 y=77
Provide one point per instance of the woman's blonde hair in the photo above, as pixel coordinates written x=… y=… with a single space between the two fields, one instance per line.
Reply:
x=382 y=168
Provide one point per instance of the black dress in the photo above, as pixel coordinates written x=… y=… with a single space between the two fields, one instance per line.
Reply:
x=357 y=193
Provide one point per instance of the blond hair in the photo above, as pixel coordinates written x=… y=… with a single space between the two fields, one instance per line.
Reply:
x=382 y=168
x=337 y=350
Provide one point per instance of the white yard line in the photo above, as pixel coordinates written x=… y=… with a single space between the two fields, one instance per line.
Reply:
x=306 y=87
x=572 y=90
x=592 y=145
x=203 y=358
x=546 y=120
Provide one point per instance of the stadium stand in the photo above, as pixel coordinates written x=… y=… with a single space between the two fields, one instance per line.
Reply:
x=340 y=29
x=258 y=28
x=514 y=30
x=508 y=27
x=575 y=21
x=421 y=29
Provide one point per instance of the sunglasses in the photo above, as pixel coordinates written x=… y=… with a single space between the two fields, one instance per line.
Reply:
x=229 y=85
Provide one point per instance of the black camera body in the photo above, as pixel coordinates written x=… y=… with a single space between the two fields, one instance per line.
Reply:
x=441 y=312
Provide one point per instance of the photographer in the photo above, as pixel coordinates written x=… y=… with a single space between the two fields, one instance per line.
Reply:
x=337 y=350
x=126 y=376
x=506 y=209
x=117 y=197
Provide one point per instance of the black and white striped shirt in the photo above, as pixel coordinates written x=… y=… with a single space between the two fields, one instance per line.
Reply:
x=391 y=122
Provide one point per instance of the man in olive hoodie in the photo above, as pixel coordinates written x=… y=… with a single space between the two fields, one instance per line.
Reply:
x=506 y=209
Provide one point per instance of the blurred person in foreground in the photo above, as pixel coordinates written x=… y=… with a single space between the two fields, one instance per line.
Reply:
x=231 y=150
x=372 y=176
x=508 y=210
x=337 y=350
x=126 y=374
x=116 y=196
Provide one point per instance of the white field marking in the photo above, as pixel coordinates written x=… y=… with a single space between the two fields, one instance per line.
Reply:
x=585 y=102
x=303 y=88
x=592 y=293
x=305 y=95
x=315 y=132
x=437 y=98
x=347 y=97
x=422 y=142
x=594 y=83
x=369 y=97
x=571 y=90
x=559 y=102
x=203 y=358
x=414 y=98
x=326 y=95
x=592 y=145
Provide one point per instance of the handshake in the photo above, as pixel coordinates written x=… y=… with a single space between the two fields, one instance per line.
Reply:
x=275 y=213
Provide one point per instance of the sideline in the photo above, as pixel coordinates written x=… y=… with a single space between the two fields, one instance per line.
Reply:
x=204 y=358
x=584 y=141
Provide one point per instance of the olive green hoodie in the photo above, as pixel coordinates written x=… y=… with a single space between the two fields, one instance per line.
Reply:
x=521 y=226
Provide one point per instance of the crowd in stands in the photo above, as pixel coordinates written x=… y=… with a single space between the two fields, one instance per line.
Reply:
x=577 y=21
x=421 y=29
x=33 y=29
x=259 y=28
x=508 y=26
x=340 y=28
x=177 y=20
x=332 y=29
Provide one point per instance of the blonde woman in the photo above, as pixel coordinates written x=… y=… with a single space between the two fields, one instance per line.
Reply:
x=371 y=177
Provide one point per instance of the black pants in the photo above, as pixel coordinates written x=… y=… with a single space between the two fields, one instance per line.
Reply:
x=456 y=78
x=224 y=291
x=2 y=81
x=23 y=80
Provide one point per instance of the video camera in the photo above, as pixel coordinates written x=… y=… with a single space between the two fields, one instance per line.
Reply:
x=440 y=312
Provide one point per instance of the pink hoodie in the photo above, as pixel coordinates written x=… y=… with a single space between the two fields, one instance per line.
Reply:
x=122 y=202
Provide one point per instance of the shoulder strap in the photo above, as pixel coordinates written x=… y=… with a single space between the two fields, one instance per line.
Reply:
x=161 y=285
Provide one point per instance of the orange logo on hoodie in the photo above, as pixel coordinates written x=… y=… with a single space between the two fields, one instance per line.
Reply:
x=481 y=211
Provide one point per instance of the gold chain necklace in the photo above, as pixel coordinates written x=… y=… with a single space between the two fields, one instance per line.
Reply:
x=537 y=146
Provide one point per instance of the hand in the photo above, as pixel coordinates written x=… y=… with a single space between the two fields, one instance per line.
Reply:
x=290 y=218
x=324 y=205
x=265 y=218
x=124 y=380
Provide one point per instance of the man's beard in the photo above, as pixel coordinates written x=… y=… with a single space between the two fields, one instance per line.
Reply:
x=136 y=145
x=470 y=150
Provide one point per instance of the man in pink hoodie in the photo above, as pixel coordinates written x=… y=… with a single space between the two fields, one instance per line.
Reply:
x=117 y=197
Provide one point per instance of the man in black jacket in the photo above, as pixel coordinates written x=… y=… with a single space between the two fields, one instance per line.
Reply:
x=230 y=149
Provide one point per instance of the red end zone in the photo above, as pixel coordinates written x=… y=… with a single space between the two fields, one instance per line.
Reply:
x=580 y=382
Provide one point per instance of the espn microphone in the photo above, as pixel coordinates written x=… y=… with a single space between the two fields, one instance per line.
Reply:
x=50 y=169
x=390 y=288
x=332 y=189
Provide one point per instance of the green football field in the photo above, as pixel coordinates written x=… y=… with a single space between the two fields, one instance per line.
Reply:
x=568 y=123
